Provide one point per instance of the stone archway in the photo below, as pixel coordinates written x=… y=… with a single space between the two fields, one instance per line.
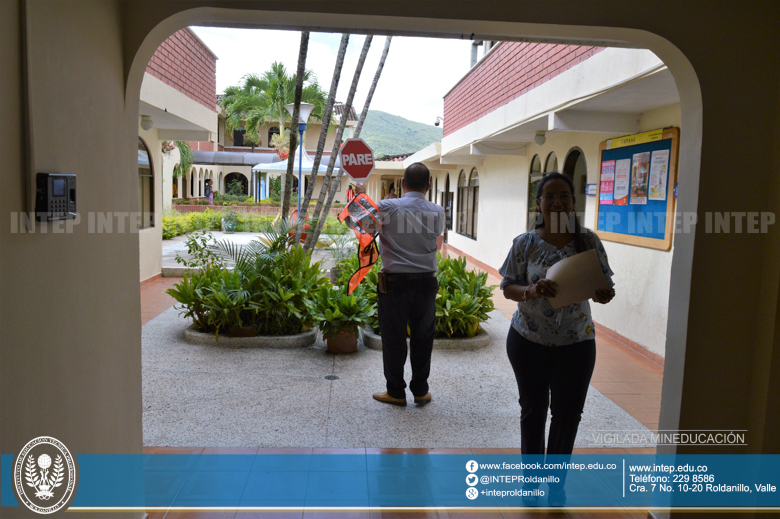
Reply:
x=240 y=177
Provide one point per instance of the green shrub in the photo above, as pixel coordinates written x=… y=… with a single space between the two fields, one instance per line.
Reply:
x=464 y=298
x=270 y=287
x=335 y=311
x=462 y=303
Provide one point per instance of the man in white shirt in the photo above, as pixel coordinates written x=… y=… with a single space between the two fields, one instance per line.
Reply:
x=408 y=242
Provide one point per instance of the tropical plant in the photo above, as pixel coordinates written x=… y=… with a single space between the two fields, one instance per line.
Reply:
x=335 y=311
x=235 y=188
x=186 y=158
x=275 y=188
x=462 y=303
x=342 y=247
x=464 y=298
x=201 y=255
x=266 y=286
x=260 y=98
x=348 y=267
x=189 y=294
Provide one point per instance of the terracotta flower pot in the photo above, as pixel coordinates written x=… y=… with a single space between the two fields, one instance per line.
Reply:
x=344 y=342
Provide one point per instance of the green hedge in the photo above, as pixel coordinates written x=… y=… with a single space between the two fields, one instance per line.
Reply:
x=176 y=224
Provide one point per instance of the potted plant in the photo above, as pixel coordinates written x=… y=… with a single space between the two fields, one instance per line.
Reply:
x=229 y=222
x=342 y=248
x=339 y=316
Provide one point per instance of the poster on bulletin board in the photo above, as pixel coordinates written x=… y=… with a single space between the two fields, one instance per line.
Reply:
x=637 y=175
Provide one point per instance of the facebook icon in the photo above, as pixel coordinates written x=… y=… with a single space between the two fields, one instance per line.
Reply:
x=472 y=466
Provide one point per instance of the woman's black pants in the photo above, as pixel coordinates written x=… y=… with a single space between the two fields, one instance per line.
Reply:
x=554 y=377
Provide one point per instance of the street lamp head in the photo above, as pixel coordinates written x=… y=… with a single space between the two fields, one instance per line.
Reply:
x=306 y=109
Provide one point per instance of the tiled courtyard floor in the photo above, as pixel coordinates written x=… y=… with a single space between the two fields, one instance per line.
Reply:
x=626 y=377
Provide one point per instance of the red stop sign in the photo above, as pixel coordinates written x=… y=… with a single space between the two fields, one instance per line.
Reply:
x=357 y=159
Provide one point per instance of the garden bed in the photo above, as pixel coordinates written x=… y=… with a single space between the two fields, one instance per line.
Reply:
x=301 y=340
x=479 y=341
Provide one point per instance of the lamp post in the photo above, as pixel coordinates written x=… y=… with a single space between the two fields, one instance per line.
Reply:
x=303 y=117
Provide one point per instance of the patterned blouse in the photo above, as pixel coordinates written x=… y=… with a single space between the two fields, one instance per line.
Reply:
x=537 y=320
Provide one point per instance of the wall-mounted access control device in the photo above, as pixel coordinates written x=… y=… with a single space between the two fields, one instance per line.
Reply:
x=55 y=197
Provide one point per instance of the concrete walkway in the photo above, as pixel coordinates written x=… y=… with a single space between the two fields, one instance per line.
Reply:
x=307 y=397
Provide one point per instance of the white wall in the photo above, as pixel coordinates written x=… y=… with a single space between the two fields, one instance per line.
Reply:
x=150 y=239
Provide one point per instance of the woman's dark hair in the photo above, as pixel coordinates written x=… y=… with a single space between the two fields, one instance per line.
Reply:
x=579 y=242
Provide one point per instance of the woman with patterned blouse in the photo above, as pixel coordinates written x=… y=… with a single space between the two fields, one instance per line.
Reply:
x=552 y=352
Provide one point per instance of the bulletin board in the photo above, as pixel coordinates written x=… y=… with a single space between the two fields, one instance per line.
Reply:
x=635 y=189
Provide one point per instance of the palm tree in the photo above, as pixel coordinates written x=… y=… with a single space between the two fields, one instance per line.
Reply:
x=323 y=211
x=261 y=98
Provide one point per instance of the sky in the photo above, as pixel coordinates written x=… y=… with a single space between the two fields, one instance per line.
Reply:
x=417 y=73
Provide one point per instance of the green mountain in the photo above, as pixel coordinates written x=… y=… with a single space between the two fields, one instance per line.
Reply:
x=389 y=134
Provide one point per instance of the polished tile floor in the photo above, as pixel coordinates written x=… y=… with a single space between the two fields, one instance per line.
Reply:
x=627 y=378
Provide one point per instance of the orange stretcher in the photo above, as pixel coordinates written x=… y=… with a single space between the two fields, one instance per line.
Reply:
x=362 y=216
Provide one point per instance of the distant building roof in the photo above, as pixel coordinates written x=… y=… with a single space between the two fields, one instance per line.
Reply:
x=394 y=158
x=233 y=158
x=338 y=109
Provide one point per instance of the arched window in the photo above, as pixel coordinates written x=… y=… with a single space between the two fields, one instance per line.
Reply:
x=473 y=203
x=447 y=202
x=273 y=130
x=145 y=185
x=536 y=165
x=468 y=203
x=462 y=197
x=534 y=177
x=551 y=164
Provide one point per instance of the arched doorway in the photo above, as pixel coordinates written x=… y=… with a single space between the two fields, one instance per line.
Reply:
x=230 y=180
x=693 y=160
x=193 y=182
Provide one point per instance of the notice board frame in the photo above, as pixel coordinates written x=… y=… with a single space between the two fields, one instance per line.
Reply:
x=627 y=144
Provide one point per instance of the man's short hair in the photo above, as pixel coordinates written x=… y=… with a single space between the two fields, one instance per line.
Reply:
x=417 y=176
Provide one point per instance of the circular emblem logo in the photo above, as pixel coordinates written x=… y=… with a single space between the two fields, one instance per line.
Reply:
x=45 y=475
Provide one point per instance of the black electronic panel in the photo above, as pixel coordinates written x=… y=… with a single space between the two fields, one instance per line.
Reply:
x=55 y=197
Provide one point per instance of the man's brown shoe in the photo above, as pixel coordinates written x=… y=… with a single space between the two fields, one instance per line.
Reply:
x=422 y=400
x=387 y=399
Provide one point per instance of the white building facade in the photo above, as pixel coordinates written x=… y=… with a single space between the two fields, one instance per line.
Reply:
x=526 y=109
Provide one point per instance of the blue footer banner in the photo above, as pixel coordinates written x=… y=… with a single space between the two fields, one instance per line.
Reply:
x=170 y=481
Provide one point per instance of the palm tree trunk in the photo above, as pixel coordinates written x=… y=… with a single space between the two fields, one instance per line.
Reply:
x=329 y=187
x=373 y=86
x=316 y=234
x=294 y=124
x=334 y=85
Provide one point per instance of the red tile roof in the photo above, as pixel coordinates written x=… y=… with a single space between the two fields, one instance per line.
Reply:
x=338 y=109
